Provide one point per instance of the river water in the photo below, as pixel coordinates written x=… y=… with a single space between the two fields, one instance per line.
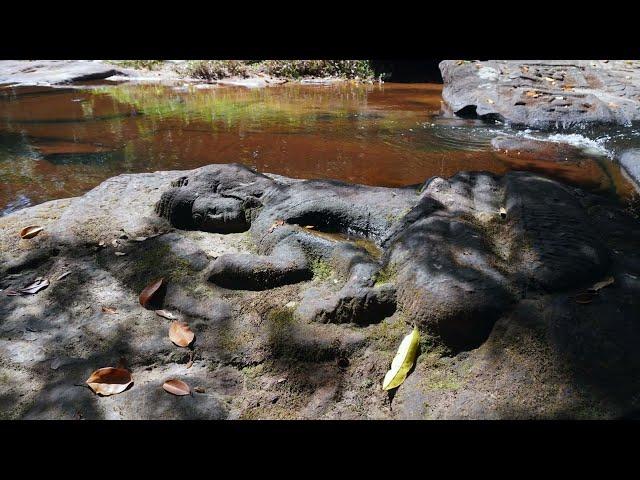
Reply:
x=61 y=142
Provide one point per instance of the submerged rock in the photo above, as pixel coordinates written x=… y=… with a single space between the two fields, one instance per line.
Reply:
x=543 y=94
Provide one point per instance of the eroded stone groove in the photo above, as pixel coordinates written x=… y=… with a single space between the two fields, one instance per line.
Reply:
x=442 y=254
x=543 y=94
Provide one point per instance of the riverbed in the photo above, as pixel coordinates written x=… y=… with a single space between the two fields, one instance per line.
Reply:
x=61 y=142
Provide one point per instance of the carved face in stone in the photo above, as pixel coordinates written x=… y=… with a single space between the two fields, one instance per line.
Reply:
x=219 y=214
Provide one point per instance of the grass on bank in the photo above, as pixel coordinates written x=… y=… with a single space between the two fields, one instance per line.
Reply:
x=139 y=64
x=292 y=69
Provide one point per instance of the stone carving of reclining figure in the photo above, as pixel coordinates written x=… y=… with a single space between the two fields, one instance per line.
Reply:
x=452 y=262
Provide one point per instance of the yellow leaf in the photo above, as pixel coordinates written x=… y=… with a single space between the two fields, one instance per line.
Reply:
x=403 y=361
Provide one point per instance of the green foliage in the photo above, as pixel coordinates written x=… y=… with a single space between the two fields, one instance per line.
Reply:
x=215 y=69
x=321 y=270
x=219 y=69
x=140 y=64
x=386 y=275
x=319 y=68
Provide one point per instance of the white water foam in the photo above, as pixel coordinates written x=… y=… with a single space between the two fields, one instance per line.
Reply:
x=589 y=145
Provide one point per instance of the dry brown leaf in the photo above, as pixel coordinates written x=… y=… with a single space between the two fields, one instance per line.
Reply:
x=166 y=314
x=63 y=274
x=109 y=310
x=181 y=334
x=199 y=390
x=584 y=297
x=277 y=223
x=36 y=286
x=109 y=381
x=176 y=387
x=151 y=292
x=189 y=364
x=30 y=232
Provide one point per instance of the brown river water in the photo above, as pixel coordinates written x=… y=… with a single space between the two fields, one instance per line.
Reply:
x=61 y=142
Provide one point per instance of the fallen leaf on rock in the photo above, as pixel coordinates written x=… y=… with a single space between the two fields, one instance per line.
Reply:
x=109 y=381
x=36 y=286
x=150 y=292
x=120 y=254
x=30 y=232
x=600 y=285
x=584 y=297
x=199 y=390
x=166 y=314
x=63 y=274
x=309 y=227
x=176 y=387
x=189 y=364
x=403 y=361
x=277 y=223
x=181 y=334
x=109 y=310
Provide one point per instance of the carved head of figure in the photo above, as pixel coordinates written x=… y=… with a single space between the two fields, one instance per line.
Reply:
x=219 y=214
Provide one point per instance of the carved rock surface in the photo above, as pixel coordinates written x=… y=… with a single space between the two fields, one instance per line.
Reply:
x=544 y=93
x=454 y=263
x=320 y=348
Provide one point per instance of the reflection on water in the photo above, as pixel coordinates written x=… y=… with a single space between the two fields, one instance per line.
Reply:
x=61 y=142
